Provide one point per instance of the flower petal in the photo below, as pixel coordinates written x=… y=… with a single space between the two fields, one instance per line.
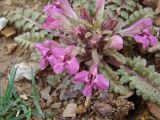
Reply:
x=42 y=49
x=43 y=63
x=143 y=40
x=59 y=52
x=101 y=82
x=87 y=91
x=58 y=68
x=137 y=27
x=51 y=44
x=64 y=4
x=53 y=61
x=51 y=23
x=81 y=76
x=100 y=8
x=153 y=40
x=117 y=42
x=68 y=49
x=73 y=66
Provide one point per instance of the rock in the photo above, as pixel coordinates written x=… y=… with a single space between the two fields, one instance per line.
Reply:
x=49 y=101
x=8 y=32
x=3 y=22
x=45 y=93
x=56 y=105
x=81 y=109
x=11 y=47
x=70 y=110
x=24 y=97
x=103 y=109
x=24 y=70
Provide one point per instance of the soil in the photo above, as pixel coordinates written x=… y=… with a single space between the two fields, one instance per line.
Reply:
x=108 y=107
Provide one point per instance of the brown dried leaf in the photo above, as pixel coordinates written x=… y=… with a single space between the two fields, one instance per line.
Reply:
x=154 y=109
x=158 y=7
x=8 y=32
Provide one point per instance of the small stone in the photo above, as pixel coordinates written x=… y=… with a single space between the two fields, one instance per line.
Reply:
x=103 y=109
x=44 y=105
x=45 y=93
x=49 y=101
x=3 y=22
x=71 y=101
x=65 y=102
x=24 y=70
x=24 y=97
x=11 y=47
x=54 y=99
x=70 y=110
x=81 y=109
x=8 y=32
x=56 y=105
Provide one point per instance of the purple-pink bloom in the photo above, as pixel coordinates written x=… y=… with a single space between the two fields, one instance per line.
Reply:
x=116 y=42
x=92 y=79
x=141 y=31
x=57 y=15
x=65 y=6
x=52 y=23
x=100 y=8
x=46 y=51
x=65 y=60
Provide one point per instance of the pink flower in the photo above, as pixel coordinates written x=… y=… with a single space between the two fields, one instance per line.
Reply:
x=46 y=51
x=58 y=14
x=65 y=6
x=116 y=42
x=61 y=6
x=141 y=31
x=100 y=9
x=52 y=23
x=65 y=60
x=92 y=79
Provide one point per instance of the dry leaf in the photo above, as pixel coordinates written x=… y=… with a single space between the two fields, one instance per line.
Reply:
x=11 y=47
x=8 y=32
x=158 y=7
x=154 y=109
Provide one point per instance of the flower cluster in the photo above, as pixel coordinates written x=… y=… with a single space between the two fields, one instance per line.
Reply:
x=85 y=37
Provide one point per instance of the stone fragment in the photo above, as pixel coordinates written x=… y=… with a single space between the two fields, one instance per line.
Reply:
x=70 y=110
x=81 y=109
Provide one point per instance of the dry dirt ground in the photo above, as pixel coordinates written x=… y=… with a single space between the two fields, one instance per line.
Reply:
x=114 y=107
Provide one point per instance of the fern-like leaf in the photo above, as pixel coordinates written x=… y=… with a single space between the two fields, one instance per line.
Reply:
x=29 y=39
x=115 y=85
x=142 y=13
x=123 y=8
x=145 y=80
x=24 y=19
